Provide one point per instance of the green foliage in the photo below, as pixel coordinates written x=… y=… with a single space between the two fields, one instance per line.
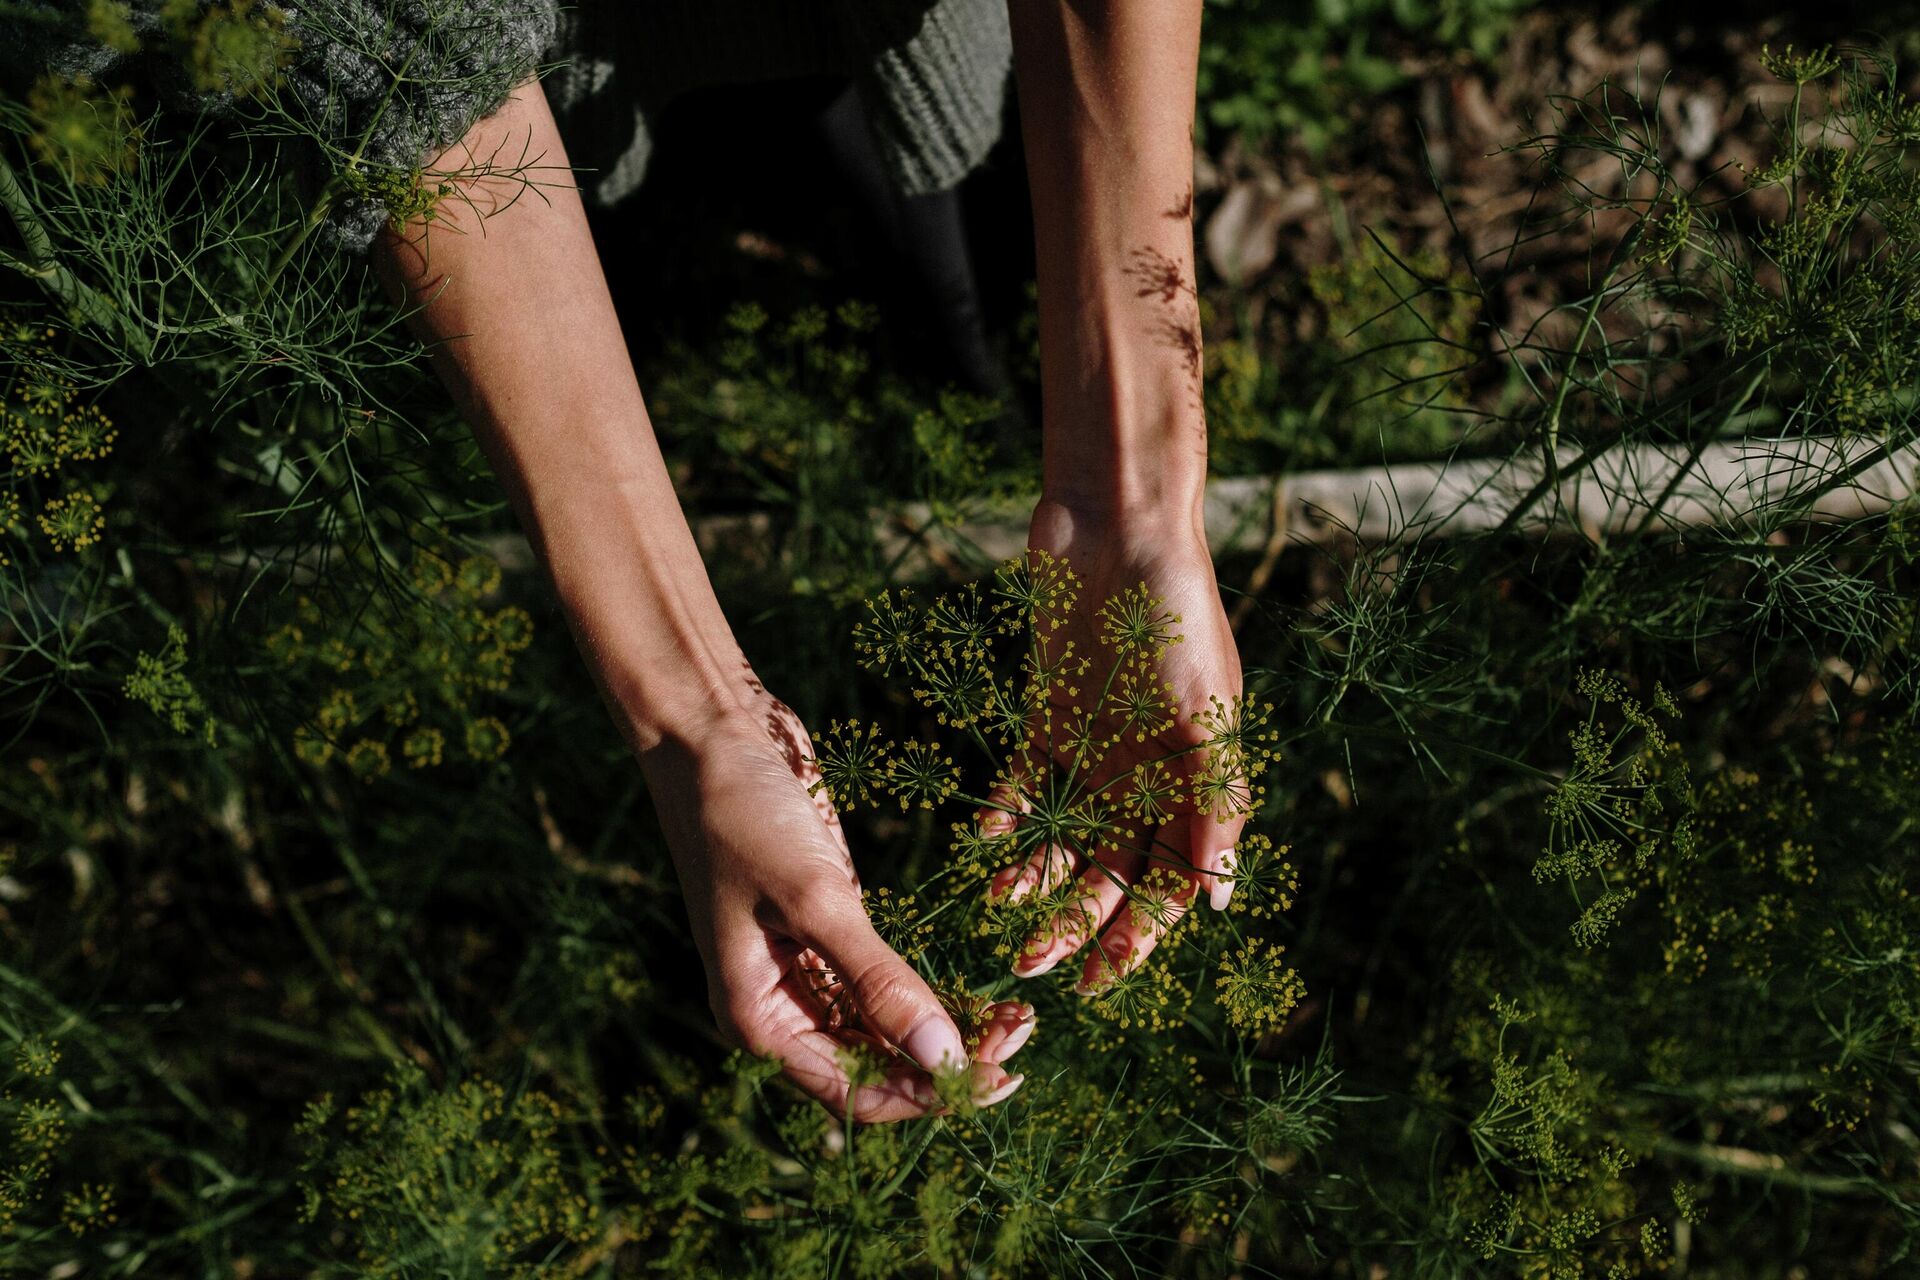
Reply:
x=791 y=416
x=339 y=936
x=462 y=1181
x=1300 y=68
x=1386 y=381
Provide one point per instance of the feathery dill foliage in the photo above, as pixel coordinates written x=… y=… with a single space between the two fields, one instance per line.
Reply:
x=1613 y=974
x=995 y=667
x=1636 y=894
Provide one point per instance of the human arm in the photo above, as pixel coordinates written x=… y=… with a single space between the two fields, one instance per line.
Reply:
x=1106 y=110
x=505 y=286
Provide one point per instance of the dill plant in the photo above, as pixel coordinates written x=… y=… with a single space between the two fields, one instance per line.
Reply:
x=299 y=785
x=997 y=666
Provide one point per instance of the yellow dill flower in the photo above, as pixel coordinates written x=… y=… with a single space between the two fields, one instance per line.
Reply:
x=369 y=758
x=159 y=680
x=477 y=577
x=1238 y=732
x=1142 y=703
x=88 y=1208
x=36 y=1058
x=1256 y=988
x=1137 y=622
x=424 y=747
x=73 y=521
x=1152 y=792
x=1158 y=901
x=337 y=714
x=431 y=573
x=86 y=434
x=513 y=628
x=239 y=47
x=918 y=773
x=85 y=132
x=1035 y=591
x=1264 y=882
x=1148 y=996
x=852 y=760
x=893 y=633
x=487 y=738
x=312 y=746
x=9 y=521
x=961 y=620
x=896 y=918
x=956 y=684
x=32 y=446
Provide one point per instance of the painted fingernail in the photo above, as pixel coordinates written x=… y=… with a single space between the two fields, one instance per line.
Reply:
x=1222 y=891
x=935 y=1045
x=1032 y=966
x=999 y=1093
x=1015 y=1038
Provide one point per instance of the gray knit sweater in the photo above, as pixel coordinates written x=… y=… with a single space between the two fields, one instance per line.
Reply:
x=397 y=80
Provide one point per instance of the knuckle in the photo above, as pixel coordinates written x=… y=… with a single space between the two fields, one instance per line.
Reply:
x=817 y=900
x=882 y=985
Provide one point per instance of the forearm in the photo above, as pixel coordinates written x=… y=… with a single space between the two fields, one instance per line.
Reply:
x=510 y=294
x=1106 y=109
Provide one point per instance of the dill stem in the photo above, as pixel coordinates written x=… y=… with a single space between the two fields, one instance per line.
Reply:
x=43 y=264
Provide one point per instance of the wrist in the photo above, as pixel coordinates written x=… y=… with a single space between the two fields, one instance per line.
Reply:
x=1062 y=522
x=666 y=679
x=674 y=709
x=1127 y=463
x=1124 y=427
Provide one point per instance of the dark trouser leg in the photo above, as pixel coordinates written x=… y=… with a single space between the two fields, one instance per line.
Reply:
x=927 y=236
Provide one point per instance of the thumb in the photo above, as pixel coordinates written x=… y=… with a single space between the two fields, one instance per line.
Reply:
x=894 y=1001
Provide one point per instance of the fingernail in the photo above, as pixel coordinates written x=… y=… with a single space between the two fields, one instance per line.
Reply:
x=999 y=1093
x=1222 y=891
x=935 y=1045
x=1017 y=1037
x=1033 y=966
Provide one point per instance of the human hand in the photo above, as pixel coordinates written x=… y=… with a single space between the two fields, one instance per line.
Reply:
x=795 y=969
x=1118 y=895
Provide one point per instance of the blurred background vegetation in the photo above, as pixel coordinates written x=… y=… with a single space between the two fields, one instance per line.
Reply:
x=336 y=934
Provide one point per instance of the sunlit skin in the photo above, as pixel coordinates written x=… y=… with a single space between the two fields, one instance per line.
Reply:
x=509 y=291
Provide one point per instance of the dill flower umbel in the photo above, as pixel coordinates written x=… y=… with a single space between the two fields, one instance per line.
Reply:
x=1257 y=989
x=920 y=773
x=73 y=522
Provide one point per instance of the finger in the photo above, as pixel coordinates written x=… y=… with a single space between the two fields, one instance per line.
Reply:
x=992 y=1085
x=811 y=1059
x=893 y=1001
x=787 y=1023
x=1137 y=929
x=1002 y=811
x=1210 y=842
x=906 y=1090
x=1008 y=1026
x=1045 y=869
x=1102 y=888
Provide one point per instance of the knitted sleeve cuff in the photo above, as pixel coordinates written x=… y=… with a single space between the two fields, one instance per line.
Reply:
x=379 y=85
x=385 y=84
